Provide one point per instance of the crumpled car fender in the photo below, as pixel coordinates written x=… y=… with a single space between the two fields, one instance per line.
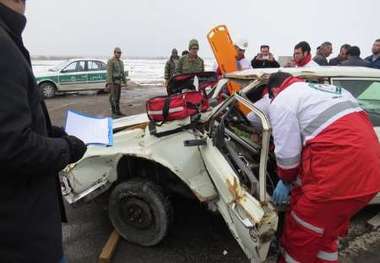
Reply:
x=98 y=169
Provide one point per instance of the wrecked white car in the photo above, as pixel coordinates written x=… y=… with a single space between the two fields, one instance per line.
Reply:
x=214 y=159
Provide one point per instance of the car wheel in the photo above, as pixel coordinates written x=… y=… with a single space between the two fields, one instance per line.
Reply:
x=48 y=90
x=140 y=211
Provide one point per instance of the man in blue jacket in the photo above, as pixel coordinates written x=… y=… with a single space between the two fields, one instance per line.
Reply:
x=374 y=59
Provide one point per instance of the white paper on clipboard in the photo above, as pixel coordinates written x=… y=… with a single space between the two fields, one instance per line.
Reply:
x=90 y=129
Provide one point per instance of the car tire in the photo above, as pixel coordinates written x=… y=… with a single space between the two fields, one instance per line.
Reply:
x=140 y=212
x=48 y=90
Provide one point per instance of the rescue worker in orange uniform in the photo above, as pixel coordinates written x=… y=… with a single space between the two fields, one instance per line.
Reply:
x=328 y=157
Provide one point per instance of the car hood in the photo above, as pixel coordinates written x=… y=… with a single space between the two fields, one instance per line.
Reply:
x=130 y=121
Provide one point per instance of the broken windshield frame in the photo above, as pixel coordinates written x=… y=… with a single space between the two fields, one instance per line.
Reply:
x=266 y=133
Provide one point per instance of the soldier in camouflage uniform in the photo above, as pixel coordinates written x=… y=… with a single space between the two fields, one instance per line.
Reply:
x=191 y=63
x=170 y=66
x=115 y=79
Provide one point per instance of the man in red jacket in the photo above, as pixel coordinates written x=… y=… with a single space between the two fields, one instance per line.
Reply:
x=328 y=156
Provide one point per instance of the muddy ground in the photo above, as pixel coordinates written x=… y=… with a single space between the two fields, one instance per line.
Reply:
x=196 y=235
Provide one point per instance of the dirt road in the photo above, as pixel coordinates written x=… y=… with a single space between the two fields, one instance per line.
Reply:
x=197 y=235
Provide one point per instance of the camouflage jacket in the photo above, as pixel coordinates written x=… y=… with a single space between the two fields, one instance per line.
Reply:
x=186 y=64
x=170 y=67
x=115 y=72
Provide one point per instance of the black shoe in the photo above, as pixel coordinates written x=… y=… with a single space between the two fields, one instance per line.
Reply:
x=117 y=110
x=120 y=114
x=115 y=116
x=113 y=109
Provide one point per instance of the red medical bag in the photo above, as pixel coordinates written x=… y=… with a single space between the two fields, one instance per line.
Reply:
x=176 y=107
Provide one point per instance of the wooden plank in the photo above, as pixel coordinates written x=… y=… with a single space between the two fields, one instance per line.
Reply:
x=109 y=248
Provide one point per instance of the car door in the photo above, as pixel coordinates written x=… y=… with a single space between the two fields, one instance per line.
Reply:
x=97 y=74
x=367 y=92
x=245 y=207
x=74 y=77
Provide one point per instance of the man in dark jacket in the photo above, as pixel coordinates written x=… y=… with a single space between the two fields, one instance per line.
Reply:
x=354 y=58
x=343 y=56
x=374 y=59
x=32 y=153
x=264 y=59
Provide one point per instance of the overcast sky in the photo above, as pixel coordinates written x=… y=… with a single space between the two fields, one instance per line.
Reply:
x=152 y=27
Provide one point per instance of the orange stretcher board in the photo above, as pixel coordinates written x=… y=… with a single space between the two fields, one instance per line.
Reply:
x=225 y=54
x=223 y=48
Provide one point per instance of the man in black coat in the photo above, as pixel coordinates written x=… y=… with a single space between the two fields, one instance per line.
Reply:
x=343 y=56
x=264 y=59
x=32 y=152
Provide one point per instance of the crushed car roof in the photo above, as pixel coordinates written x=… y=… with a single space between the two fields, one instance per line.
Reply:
x=326 y=71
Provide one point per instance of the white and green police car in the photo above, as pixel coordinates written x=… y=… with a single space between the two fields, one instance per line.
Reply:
x=72 y=76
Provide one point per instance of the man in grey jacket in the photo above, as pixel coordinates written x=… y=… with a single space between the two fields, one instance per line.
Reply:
x=324 y=52
x=354 y=59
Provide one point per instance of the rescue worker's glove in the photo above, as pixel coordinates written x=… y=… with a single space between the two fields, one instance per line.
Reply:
x=57 y=132
x=281 y=193
x=77 y=148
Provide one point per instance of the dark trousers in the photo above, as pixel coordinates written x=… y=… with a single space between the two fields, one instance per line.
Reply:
x=115 y=91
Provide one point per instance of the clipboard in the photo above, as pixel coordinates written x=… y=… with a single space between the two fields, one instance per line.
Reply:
x=90 y=129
